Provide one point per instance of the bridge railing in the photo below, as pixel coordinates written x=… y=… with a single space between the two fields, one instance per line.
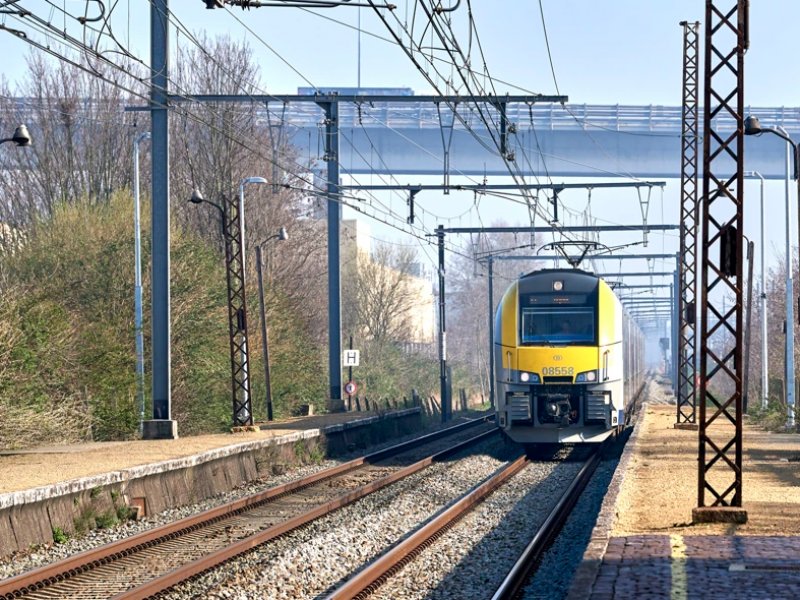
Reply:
x=651 y=118
x=544 y=117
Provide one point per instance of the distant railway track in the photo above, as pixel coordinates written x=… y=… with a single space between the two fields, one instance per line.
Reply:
x=148 y=563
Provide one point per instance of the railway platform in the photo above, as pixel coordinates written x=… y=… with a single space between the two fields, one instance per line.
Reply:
x=645 y=545
x=46 y=489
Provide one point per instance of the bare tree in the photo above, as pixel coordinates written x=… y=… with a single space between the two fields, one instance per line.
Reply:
x=385 y=295
x=216 y=145
x=468 y=297
x=82 y=138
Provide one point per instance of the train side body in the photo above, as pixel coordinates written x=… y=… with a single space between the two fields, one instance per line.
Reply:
x=568 y=360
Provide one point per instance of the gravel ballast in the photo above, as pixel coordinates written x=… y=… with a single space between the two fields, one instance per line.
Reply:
x=472 y=558
x=20 y=562
x=310 y=561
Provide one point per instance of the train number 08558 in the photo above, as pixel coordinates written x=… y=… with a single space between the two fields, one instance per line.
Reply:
x=558 y=371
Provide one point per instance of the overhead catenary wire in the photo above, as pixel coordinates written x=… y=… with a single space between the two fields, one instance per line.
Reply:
x=290 y=170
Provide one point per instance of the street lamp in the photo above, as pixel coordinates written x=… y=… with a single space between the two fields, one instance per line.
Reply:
x=764 y=356
x=137 y=285
x=752 y=126
x=198 y=198
x=21 y=137
x=280 y=236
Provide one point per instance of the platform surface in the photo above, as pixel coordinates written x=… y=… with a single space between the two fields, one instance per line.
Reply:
x=651 y=548
x=33 y=468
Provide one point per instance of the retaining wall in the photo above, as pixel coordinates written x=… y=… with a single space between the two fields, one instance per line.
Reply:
x=32 y=516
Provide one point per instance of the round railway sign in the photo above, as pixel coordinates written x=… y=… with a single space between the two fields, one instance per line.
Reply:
x=350 y=388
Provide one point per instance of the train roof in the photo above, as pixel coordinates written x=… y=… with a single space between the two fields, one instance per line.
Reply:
x=546 y=271
x=573 y=280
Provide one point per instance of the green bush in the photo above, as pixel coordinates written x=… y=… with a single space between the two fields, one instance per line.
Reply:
x=60 y=536
x=73 y=324
x=67 y=354
x=773 y=418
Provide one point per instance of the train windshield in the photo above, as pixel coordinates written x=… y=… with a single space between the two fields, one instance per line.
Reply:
x=558 y=325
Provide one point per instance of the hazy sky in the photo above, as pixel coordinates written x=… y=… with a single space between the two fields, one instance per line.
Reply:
x=623 y=51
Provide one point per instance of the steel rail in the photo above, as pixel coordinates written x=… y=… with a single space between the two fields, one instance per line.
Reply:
x=206 y=563
x=519 y=573
x=32 y=581
x=366 y=581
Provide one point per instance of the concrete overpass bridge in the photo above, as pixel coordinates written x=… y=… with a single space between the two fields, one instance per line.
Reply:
x=573 y=140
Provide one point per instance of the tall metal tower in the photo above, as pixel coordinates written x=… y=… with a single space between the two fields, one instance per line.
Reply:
x=688 y=239
x=720 y=427
x=237 y=313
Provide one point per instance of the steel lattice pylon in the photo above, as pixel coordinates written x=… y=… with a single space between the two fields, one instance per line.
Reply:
x=237 y=314
x=720 y=427
x=687 y=394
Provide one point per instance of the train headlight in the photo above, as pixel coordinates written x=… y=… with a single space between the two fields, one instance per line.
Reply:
x=586 y=377
x=526 y=377
x=558 y=286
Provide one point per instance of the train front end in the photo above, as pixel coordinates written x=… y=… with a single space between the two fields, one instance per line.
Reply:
x=559 y=359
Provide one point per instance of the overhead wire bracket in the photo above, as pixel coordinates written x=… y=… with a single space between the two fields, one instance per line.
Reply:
x=412 y=192
x=446 y=142
x=275 y=141
x=505 y=129
x=644 y=206
x=561 y=246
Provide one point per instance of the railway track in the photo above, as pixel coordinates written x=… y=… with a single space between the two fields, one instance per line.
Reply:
x=519 y=574
x=370 y=580
x=146 y=564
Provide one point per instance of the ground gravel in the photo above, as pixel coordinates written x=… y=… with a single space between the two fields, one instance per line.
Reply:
x=312 y=560
x=472 y=558
x=558 y=566
x=39 y=556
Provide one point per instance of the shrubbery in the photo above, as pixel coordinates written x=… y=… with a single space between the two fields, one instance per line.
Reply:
x=67 y=333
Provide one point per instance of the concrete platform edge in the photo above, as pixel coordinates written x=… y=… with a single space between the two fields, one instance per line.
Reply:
x=72 y=486
x=30 y=517
x=586 y=573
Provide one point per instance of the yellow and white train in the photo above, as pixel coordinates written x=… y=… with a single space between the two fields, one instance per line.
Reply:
x=568 y=359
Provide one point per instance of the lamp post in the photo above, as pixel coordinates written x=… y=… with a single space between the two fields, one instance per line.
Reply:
x=753 y=127
x=764 y=356
x=281 y=235
x=245 y=352
x=137 y=285
x=197 y=198
x=21 y=137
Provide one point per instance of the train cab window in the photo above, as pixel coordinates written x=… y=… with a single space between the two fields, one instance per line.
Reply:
x=558 y=325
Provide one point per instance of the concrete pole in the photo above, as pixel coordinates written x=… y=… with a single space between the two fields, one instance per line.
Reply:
x=675 y=328
x=789 y=354
x=264 y=338
x=764 y=335
x=162 y=426
x=445 y=400
x=763 y=298
x=137 y=286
